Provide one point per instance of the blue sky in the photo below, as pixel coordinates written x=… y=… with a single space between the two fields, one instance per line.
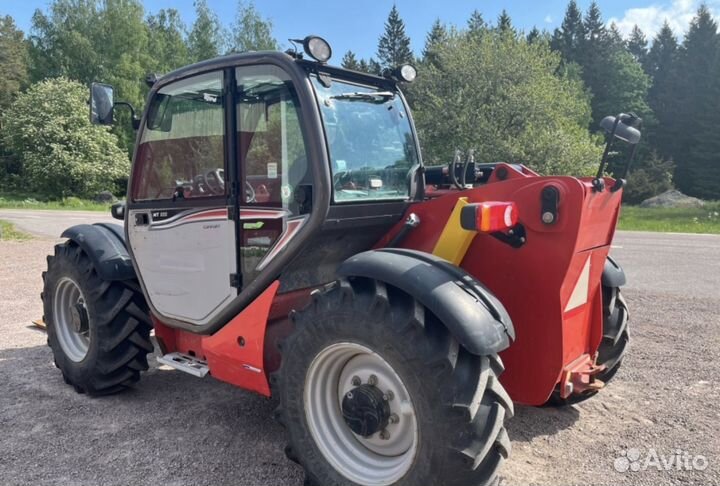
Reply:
x=357 y=24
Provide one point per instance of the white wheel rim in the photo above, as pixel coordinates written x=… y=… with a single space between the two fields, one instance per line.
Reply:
x=74 y=340
x=372 y=461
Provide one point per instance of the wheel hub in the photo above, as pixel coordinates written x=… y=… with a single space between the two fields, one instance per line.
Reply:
x=366 y=410
x=360 y=414
x=71 y=319
x=79 y=317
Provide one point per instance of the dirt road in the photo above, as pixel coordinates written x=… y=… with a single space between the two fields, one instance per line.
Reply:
x=174 y=429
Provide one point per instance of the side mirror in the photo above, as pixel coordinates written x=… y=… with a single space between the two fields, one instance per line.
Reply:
x=623 y=129
x=102 y=101
x=117 y=210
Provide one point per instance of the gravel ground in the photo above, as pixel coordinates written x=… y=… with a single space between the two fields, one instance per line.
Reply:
x=174 y=429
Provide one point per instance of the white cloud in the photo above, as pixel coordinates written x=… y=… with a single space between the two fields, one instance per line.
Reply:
x=548 y=19
x=650 y=19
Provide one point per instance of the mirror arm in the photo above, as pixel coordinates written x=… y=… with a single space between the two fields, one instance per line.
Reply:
x=599 y=183
x=135 y=119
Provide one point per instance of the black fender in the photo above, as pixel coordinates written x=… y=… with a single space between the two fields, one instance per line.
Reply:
x=613 y=275
x=105 y=244
x=472 y=314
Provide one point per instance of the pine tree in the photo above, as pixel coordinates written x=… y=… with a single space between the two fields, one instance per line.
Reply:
x=394 y=44
x=13 y=62
x=662 y=66
x=504 y=24
x=697 y=109
x=533 y=36
x=349 y=61
x=205 y=38
x=614 y=37
x=251 y=32
x=569 y=37
x=476 y=23
x=437 y=36
x=594 y=27
x=638 y=46
x=374 y=67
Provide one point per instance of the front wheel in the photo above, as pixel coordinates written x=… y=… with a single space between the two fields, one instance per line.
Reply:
x=374 y=390
x=99 y=331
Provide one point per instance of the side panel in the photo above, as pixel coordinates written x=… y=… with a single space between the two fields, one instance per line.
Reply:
x=536 y=282
x=185 y=262
x=236 y=353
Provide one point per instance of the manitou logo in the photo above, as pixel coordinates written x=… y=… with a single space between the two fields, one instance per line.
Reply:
x=633 y=460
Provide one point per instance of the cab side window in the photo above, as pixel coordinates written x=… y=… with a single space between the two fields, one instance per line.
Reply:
x=272 y=149
x=181 y=152
x=276 y=174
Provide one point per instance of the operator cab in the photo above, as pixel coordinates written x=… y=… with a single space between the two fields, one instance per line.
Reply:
x=261 y=166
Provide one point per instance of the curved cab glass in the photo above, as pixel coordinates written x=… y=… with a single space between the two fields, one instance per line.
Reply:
x=370 y=139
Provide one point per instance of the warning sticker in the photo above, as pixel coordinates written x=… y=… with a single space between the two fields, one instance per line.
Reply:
x=272 y=170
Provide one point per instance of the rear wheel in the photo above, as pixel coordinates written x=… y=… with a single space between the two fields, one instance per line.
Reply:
x=612 y=347
x=99 y=331
x=373 y=390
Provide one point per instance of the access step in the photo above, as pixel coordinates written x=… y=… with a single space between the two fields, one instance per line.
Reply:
x=183 y=362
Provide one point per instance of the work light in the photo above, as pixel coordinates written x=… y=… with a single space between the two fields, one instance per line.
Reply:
x=407 y=73
x=317 y=48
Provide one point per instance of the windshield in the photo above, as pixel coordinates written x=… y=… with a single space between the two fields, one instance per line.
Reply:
x=371 y=143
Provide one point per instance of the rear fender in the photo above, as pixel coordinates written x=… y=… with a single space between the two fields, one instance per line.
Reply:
x=613 y=274
x=470 y=311
x=105 y=244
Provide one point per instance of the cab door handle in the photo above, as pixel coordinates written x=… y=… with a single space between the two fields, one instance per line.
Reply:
x=142 y=219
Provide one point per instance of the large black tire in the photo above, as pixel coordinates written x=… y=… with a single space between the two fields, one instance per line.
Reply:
x=460 y=406
x=612 y=347
x=116 y=325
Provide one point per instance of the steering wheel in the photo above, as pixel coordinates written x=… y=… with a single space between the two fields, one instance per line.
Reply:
x=199 y=185
x=249 y=193
x=215 y=181
x=340 y=177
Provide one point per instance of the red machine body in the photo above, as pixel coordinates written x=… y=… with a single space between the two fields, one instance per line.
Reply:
x=550 y=286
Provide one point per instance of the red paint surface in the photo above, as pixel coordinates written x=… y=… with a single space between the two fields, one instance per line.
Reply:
x=535 y=282
x=235 y=354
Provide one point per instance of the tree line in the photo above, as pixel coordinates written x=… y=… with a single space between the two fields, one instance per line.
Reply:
x=673 y=84
x=534 y=97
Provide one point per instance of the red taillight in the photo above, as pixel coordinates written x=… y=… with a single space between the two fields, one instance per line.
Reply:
x=489 y=216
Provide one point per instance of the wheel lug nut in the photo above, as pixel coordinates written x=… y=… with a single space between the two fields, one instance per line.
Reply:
x=372 y=381
x=389 y=394
x=356 y=381
x=349 y=395
x=385 y=435
x=394 y=418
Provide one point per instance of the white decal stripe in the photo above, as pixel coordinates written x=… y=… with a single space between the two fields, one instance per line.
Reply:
x=217 y=215
x=292 y=228
x=579 y=295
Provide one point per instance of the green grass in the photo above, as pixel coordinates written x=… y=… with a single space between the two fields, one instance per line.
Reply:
x=672 y=220
x=8 y=232
x=18 y=200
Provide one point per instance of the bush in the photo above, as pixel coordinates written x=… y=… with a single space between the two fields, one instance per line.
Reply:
x=649 y=178
x=508 y=100
x=60 y=151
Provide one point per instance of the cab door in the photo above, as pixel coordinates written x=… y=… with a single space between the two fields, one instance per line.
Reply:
x=179 y=232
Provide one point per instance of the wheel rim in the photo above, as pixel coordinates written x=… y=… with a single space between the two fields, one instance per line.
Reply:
x=384 y=457
x=71 y=319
